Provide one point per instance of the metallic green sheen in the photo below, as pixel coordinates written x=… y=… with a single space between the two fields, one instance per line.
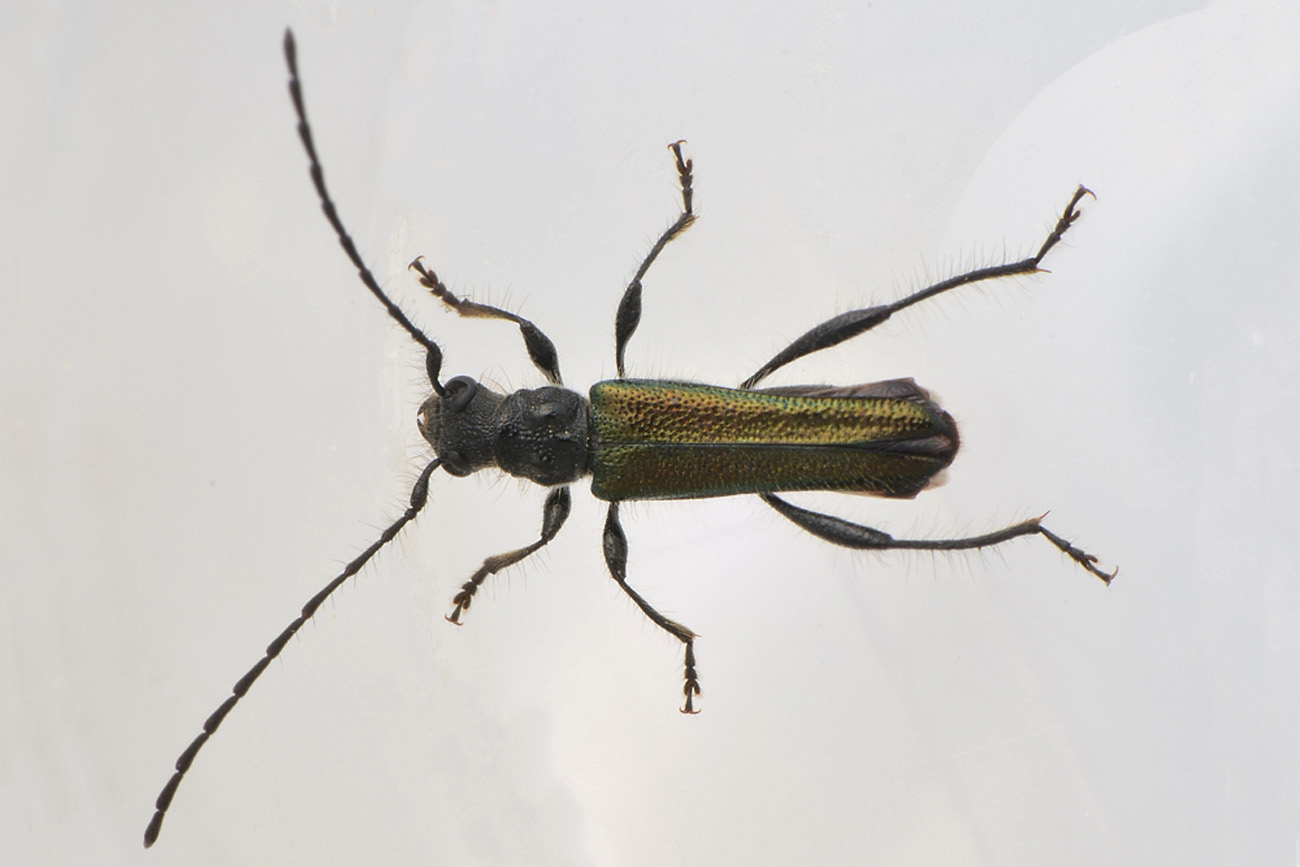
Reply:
x=655 y=439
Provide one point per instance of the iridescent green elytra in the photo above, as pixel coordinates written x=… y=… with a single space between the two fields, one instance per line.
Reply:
x=657 y=439
x=653 y=439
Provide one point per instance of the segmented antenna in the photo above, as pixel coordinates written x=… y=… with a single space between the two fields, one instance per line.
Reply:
x=419 y=496
x=434 y=358
x=419 y=493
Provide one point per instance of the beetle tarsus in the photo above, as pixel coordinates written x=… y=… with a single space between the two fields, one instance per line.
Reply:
x=691 y=687
x=1083 y=558
x=1068 y=216
x=461 y=601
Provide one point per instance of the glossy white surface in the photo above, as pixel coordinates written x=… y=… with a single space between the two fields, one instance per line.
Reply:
x=206 y=415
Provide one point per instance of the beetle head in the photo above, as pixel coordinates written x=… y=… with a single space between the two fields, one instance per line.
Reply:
x=537 y=434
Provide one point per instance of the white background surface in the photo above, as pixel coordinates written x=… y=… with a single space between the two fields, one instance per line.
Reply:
x=205 y=415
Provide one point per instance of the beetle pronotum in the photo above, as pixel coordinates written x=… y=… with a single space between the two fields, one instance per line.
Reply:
x=660 y=439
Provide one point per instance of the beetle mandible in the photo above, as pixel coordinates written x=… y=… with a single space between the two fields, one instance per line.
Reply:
x=660 y=439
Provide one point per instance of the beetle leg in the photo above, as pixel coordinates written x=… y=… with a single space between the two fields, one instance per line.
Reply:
x=540 y=348
x=838 y=531
x=554 y=514
x=615 y=544
x=848 y=325
x=629 y=308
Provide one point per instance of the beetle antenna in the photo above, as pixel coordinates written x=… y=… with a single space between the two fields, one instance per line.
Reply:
x=434 y=357
x=419 y=496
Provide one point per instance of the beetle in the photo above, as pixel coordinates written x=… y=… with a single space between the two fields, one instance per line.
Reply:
x=661 y=439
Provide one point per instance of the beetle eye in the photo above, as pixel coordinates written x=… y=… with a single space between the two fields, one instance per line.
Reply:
x=455 y=464
x=461 y=391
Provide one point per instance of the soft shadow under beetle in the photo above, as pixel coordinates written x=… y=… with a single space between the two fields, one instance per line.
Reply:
x=657 y=439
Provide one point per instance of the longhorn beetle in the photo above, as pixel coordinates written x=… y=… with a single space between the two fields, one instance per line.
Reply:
x=659 y=439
